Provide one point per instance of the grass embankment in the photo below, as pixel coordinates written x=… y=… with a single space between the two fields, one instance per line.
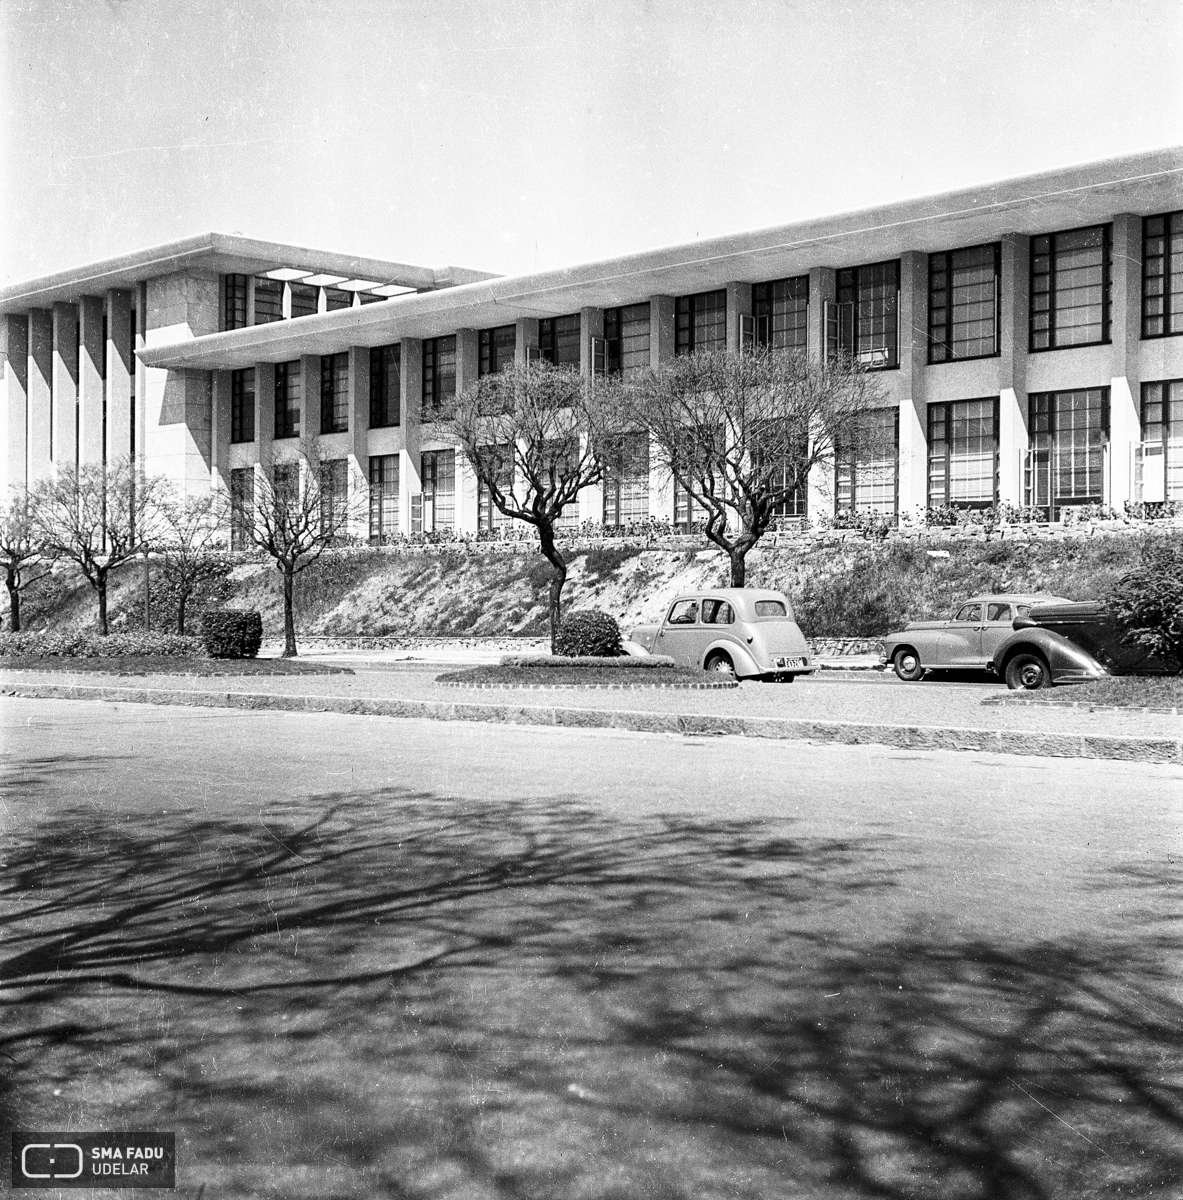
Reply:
x=1122 y=691
x=580 y=675
x=153 y=664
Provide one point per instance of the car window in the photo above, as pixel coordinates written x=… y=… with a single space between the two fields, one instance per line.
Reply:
x=969 y=612
x=998 y=612
x=1022 y=610
x=683 y=612
x=717 y=612
x=770 y=608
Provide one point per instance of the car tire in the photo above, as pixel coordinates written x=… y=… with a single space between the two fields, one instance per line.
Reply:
x=1027 y=673
x=719 y=665
x=907 y=665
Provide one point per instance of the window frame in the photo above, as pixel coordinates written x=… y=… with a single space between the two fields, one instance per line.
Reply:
x=946 y=407
x=381 y=493
x=1049 y=403
x=431 y=396
x=691 y=307
x=764 y=323
x=242 y=414
x=943 y=261
x=615 y=338
x=1106 y=290
x=1167 y=256
x=385 y=407
x=334 y=393
x=552 y=338
x=489 y=348
x=852 y=279
x=287 y=380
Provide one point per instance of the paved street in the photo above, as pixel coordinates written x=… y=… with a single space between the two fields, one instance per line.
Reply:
x=348 y=956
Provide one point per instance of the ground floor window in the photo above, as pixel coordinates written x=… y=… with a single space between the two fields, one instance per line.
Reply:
x=334 y=497
x=384 y=522
x=242 y=507
x=438 y=473
x=626 y=484
x=866 y=476
x=489 y=516
x=1068 y=439
x=688 y=513
x=1159 y=459
x=963 y=453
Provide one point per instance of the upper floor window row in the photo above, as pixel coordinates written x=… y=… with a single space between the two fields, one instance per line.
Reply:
x=1070 y=286
x=1162 y=275
x=259 y=299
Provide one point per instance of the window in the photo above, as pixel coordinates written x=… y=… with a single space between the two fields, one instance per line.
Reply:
x=305 y=298
x=868 y=314
x=559 y=340
x=700 y=322
x=999 y=614
x=626 y=333
x=689 y=515
x=1070 y=288
x=717 y=612
x=385 y=385
x=770 y=608
x=334 y=393
x=489 y=516
x=438 y=473
x=779 y=457
x=268 y=300
x=242 y=507
x=287 y=399
x=498 y=347
x=242 y=405
x=1068 y=433
x=1159 y=459
x=336 y=299
x=334 y=497
x=1162 y=275
x=439 y=374
x=626 y=482
x=963 y=453
x=780 y=312
x=969 y=614
x=234 y=289
x=384 y=519
x=866 y=474
x=963 y=303
x=683 y=612
x=285 y=491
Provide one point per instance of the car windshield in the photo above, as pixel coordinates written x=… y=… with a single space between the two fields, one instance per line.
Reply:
x=771 y=608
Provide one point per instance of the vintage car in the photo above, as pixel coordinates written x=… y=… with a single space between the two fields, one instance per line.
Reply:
x=967 y=642
x=749 y=633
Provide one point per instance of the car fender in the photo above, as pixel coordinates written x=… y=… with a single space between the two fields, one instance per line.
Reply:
x=741 y=660
x=645 y=636
x=1064 y=658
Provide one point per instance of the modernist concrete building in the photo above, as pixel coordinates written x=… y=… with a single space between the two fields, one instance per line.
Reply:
x=1029 y=335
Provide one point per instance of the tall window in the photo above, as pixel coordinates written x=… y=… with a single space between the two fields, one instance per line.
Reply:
x=781 y=456
x=963 y=453
x=305 y=298
x=780 y=311
x=242 y=405
x=268 y=300
x=287 y=399
x=489 y=516
x=558 y=340
x=334 y=496
x=384 y=518
x=385 y=385
x=438 y=473
x=285 y=491
x=700 y=322
x=497 y=348
x=626 y=484
x=439 y=374
x=866 y=474
x=868 y=314
x=234 y=301
x=626 y=334
x=963 y=303
x=1070 y=288
x=1066 y=461
x=1162 y=275
x=242 y=507
x=688 y=513
x=334 y=393
x=1160 y=456
x=336 y=299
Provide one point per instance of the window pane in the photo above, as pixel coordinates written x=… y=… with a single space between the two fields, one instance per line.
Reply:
x=1068 y=435
x=385 y=385
x=439 y=374
x=287 y=399
x=558 y=340
x=1070 y=288
x=304 y=299
x=872 y=294
x=439 y=489
x=497 y=348
x=384 y=506
x=626 y=330
x=626 y=485
x=700 y=322
x=268 y=300
x=866 y=474
x=781 y=309
x=242 y=405
x=334 y=393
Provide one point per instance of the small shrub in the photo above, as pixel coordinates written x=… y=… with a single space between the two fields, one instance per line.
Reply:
x=90 y=645
x=588 y=634
x=231 y=633
x=1148 y=601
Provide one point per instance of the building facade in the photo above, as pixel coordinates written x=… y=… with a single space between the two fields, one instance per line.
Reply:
x=1028 y=336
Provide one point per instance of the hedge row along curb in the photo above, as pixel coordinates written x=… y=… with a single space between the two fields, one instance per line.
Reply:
x=847 y=733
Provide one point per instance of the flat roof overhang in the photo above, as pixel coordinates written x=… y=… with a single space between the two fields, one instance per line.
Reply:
x=220 y=254
x=1064 y=199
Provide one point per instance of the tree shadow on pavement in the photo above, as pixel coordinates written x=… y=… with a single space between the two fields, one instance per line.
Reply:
x=399 y=994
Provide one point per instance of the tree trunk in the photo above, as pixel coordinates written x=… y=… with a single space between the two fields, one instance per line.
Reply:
x=101 y=588
x=289 y=619
x=554 y=556
x=14 y=605
x=739 y=567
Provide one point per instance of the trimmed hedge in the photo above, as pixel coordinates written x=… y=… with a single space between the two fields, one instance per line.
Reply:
x=91 y=645
x=232 y=633
x=588 y=634
x=625 y=662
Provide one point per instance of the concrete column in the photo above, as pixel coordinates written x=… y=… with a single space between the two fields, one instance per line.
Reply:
x=527 y=338
x=468 y=359
x=1125 y=427
x=591 y=325
x=913 y=451
x=467 y=496
x=264 y=412
x=661 y=330
x=823 y=289
x=739 y=304
x=40 y=384
x=91 y=362
x=140 y=396
x=359 y=430
x=220 y=419
x=409 y=481
x=16 y=399
x=120 y=365
x=1012 y=343
x=65 y=386
x=309 y=396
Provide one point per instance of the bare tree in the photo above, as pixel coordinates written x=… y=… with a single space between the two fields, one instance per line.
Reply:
x=98 y=517
x=22 y=553
x=299 y=508
x=191 y=535
x=740 y=433
x=536 y=436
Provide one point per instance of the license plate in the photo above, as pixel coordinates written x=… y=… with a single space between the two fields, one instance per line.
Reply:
x=790 y=662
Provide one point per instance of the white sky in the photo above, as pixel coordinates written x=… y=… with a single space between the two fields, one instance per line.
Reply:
x=514 y=134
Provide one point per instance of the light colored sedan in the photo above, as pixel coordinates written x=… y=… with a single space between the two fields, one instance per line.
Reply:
x=750 y=633
x=967 y=642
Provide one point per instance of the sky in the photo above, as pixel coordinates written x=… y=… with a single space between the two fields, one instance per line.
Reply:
x=514 y=135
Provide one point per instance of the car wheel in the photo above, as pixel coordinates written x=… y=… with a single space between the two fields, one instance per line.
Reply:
x=1027 y=673
x=720 y=666
x=907 y=665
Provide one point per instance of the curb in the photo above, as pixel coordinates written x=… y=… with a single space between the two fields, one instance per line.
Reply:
x=709 y=686
x=848 y=733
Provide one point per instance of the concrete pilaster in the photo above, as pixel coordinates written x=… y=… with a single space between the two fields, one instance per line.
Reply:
x=591 y=325
x=409 y=482
x=40 y=385
x=1012 y=343
x=309 y=396
x=468 y=359
x=661 y=330
x=739 y=304
x=823 y=290
x=16 y=401
x=91 y=362
x=65 y=386
x=1125 y=328
x=264 y=412
x=527 y=338
x=120 y=365
x=359 y=429
x=913 y=449
x=220 y=418
x=140 y=396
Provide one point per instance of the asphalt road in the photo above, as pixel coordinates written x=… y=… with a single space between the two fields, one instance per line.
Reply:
x=613 y=964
